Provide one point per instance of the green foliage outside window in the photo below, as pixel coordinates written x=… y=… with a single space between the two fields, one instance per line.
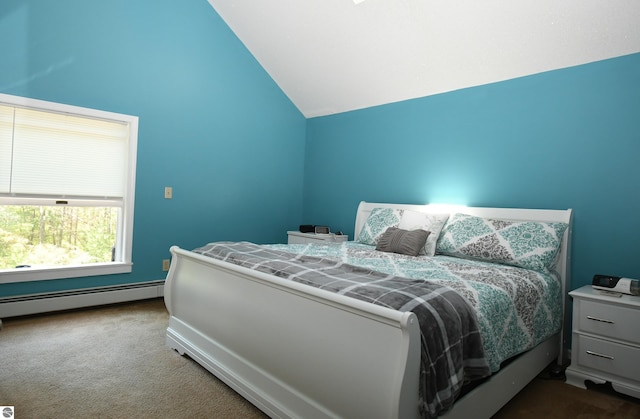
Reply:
x=41 y=236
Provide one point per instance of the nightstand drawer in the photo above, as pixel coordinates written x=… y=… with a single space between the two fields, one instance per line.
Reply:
x=609 y=320
x=609 y=357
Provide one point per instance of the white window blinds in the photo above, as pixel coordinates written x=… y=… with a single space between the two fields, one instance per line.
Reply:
x=59 y=155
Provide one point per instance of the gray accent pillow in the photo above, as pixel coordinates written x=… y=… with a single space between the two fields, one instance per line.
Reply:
x=405 y=242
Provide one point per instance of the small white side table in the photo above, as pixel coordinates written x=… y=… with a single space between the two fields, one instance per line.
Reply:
x=605 y=342
x=296 y=237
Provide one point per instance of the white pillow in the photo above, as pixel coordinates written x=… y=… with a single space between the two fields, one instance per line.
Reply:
x=414 y=220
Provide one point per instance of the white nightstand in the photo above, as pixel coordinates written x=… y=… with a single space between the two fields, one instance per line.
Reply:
x=296 y=237
x=605 y=343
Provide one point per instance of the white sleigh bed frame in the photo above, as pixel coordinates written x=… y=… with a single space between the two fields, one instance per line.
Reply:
x=296 y=351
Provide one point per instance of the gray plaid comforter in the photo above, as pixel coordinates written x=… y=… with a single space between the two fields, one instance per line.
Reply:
x=452 y=352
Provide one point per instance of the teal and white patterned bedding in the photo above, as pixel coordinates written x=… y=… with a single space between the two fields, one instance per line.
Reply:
x=517 y=308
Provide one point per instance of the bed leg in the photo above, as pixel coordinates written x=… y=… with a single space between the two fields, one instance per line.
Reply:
x=556 y=371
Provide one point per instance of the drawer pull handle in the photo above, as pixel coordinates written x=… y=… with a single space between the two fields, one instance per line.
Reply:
x=600 y=355
x=600 y=320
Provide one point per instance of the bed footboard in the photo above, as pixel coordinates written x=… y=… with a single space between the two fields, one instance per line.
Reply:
x=292 y=350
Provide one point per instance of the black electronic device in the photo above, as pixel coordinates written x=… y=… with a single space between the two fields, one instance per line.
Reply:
x=322 y=230
x=616 y=284
x=310 y=228
x=307 y=228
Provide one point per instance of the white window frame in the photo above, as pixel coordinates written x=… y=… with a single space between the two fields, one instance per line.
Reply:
x=123 y=262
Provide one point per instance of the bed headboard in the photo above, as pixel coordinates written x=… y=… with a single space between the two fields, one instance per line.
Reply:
x=563 y=264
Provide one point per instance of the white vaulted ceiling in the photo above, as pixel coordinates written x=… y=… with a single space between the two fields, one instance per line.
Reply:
x=333 y=56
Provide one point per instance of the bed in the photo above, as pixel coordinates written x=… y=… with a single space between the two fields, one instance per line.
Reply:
x=301 y=350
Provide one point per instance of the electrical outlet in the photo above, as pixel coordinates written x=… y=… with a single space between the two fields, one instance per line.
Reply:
x=168 y=192
x=166 y=264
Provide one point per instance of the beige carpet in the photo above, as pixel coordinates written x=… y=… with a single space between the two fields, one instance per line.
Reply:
x=112 y=362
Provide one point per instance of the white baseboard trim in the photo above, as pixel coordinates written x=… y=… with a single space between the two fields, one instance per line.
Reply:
x=88 y=297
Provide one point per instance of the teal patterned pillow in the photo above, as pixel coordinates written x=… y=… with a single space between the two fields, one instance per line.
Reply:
x=378 y=222
x=527 y=244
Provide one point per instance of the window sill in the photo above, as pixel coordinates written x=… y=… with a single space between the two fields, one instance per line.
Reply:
x=8 y=276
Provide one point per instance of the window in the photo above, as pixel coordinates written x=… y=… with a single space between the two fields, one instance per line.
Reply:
x=67 y=177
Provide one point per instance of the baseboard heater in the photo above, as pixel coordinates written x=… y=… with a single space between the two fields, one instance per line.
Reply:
x=86 y=297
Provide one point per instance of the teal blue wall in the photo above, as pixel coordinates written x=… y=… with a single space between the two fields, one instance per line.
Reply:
x=563 y=139
x=216 y=128
x=213 y=124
